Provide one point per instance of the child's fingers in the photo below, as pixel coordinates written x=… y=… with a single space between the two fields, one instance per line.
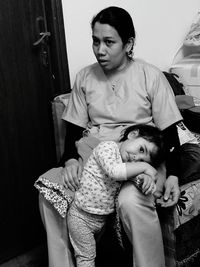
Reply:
x=148 y=190
x=146 y=184
x=154 y=189
x=151 y=189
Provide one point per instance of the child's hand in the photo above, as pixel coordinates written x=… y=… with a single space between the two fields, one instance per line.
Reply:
x=151 y=171
x=144 y=183
x=148 y=185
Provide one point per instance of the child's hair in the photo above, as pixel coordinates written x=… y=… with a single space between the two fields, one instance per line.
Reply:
x=153 y=135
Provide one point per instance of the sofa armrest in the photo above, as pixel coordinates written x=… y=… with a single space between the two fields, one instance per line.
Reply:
x=58 y=105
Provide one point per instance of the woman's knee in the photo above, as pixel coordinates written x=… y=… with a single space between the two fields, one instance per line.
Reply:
x=128 y=197
x=132 y=201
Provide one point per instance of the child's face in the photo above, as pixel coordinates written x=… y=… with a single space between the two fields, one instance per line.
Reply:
x=137 y=149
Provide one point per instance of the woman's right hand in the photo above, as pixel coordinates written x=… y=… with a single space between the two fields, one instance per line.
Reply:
x=71 y=174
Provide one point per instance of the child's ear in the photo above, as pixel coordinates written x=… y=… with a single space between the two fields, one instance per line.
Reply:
x=133 y=134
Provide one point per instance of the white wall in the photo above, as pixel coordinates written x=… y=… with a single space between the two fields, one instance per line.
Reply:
x=161 y=26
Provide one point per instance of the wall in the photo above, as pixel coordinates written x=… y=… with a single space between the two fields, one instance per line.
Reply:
x=160 y=28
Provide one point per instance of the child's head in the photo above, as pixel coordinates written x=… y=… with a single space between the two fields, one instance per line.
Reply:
x=143 y=143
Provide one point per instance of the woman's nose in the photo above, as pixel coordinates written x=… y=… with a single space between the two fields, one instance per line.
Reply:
x=101 y=49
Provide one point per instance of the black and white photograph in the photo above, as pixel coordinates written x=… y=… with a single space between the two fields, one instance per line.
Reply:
x=100 y=133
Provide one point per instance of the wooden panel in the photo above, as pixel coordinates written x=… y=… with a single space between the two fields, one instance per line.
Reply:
x=27 y=145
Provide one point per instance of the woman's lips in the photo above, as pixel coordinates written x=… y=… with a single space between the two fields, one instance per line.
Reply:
x=103 y=62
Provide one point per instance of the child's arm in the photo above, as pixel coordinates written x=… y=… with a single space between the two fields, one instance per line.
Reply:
x=143 y=176
x=108 y=158
x=136 y=168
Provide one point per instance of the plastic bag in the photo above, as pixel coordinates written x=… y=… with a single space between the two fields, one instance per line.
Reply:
x=193 y=36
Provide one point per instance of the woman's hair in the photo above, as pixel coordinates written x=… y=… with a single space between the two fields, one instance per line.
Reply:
x=119 y=19
x=153 y=135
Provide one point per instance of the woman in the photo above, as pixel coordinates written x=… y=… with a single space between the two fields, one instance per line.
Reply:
x=108 y=96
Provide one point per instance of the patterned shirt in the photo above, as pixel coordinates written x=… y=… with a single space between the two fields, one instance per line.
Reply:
x=98 y=184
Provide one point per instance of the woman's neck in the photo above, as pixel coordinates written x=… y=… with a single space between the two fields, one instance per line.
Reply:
x=118 y=69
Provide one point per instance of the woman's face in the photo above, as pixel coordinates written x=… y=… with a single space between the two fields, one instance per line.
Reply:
x=108 y=48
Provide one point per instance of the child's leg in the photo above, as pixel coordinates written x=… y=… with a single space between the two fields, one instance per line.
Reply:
x=82 y=229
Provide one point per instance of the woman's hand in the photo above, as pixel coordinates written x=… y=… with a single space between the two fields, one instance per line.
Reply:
x=71 y=174
x=171 y=192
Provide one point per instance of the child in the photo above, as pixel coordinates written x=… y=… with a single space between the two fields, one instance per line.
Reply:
x=109 y=164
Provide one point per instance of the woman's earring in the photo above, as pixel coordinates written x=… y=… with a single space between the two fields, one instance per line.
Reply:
x=130 y=53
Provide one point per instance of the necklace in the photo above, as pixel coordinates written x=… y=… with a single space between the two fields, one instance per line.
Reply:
x=114 y=82
x=113 y=86
x=114 y=77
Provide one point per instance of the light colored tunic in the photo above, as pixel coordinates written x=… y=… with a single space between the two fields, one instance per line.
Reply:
x=141 y=95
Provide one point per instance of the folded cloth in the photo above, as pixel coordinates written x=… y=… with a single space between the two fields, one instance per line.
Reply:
x=51 y=186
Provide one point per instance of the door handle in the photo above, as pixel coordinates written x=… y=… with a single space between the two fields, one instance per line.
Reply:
x=44 y=37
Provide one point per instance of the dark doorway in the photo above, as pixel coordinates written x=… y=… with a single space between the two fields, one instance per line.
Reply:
x=33 y=69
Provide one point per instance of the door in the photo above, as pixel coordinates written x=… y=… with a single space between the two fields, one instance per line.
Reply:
x=27 y=147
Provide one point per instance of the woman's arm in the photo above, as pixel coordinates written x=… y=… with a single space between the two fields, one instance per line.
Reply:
x=73 y=133
x=72 y=168
x=172 y=143
x=175 y=164
x=171 y=187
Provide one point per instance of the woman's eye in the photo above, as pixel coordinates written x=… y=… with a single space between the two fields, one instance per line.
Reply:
x=109 y=42
x=95 y=42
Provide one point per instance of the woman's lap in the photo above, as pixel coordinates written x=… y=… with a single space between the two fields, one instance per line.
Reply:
x=142 y=226
x=145 y=226
x=139 y=219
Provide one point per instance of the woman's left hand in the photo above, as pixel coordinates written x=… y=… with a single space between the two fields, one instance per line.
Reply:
x=171 y=192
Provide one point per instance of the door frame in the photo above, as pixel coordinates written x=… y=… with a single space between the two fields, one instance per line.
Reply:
x=58 y=47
